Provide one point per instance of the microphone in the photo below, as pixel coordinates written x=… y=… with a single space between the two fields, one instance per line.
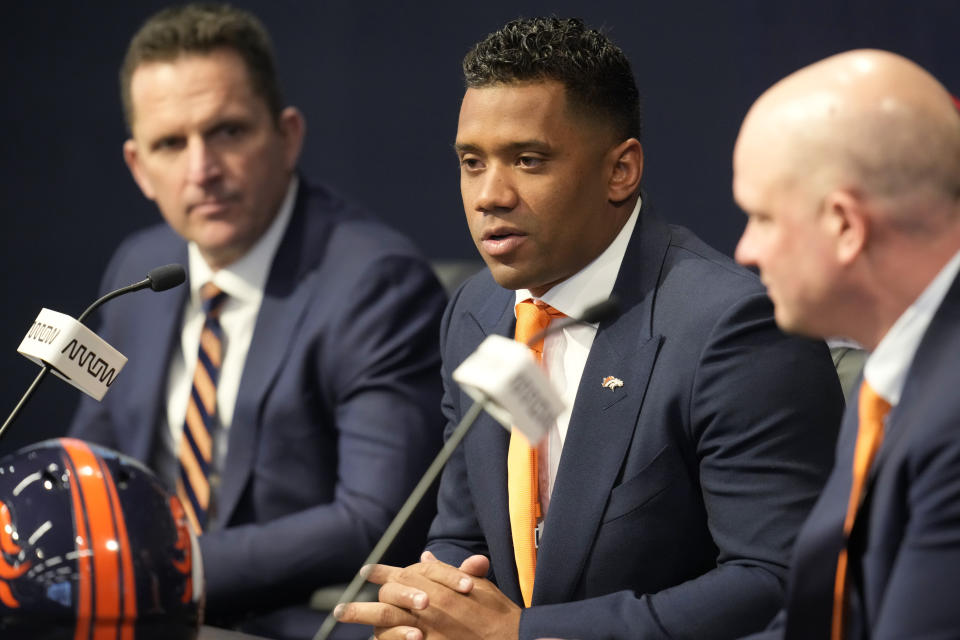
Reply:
x=599 y=312
x=158 y=279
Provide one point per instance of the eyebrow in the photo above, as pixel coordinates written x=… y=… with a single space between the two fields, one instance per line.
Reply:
x=512 y=147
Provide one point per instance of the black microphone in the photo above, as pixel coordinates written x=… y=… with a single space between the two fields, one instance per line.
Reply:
x=598 y=312
x=158 y=279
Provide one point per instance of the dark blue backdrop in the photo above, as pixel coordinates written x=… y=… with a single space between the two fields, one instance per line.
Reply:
x=379 y=83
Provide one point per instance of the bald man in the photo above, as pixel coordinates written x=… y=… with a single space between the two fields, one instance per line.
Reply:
x=849 y=172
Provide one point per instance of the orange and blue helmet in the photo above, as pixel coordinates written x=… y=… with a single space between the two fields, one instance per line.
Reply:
x=92 y=547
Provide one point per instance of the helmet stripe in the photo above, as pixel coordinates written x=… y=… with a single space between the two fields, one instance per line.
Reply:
x=6 y=596
x=84 y=590
x=129 y=592
x=103 y=534
x=6 y=526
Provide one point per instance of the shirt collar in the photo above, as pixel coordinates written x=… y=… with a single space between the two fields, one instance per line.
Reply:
x=246 y=278
x=886 y=368
x=594 y=283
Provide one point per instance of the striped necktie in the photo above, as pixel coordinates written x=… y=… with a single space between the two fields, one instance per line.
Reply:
x=195 y=453
x=872 y=410
x=522 y=487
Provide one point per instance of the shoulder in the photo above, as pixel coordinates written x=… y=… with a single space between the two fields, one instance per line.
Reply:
x=335 y=249
x=710 y=310
x=699 y=286
x=481 y=298
x=347 y=228
x=693 y=266
x=475 y=309
x=339 y=246
x=142 y=251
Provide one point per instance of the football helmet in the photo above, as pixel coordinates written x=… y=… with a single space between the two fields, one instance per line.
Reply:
x=92 y=546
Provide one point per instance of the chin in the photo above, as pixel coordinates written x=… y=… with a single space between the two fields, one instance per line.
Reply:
x=794 y=325
x=784 y=320
x=508 y=277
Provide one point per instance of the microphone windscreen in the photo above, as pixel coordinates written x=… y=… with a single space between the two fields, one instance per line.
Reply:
x=166 y=277
x=601 y=311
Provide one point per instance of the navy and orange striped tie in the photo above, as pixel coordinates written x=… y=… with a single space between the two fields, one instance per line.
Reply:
x=196 y=445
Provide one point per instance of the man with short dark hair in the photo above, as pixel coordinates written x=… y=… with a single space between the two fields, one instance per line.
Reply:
x=664 y=502
x=849 y=172
x=289 y=394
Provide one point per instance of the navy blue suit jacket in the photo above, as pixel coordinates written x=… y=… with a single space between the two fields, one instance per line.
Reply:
x=337 y=414
x=904 y=549
x=678 y=496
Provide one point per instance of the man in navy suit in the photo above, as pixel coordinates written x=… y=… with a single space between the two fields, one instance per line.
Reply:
x=326 y=409
x=698 y=435
x=849 y=172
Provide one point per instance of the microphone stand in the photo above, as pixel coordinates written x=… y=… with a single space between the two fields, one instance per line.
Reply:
x=595 y=313
x=159 y=279
x=350 y=593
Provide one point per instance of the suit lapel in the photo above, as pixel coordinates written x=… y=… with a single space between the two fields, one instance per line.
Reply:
x=281 y=312
x=817 y=549
x=160 y=320
x=603 y=421
x=488 y=442
x=925 y=374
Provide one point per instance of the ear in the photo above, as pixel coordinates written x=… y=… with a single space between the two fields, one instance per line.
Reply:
x=627 y=169
x=846 y=220
x=292 y=127
x=131 y=157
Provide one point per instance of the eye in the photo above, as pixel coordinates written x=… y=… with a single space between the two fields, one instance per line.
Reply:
x=530 y=162
x=170 y=143
x=229 y=130
x=470 y=163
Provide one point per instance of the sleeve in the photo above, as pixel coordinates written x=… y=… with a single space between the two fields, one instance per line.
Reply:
x=763 y=417
x=376 y=368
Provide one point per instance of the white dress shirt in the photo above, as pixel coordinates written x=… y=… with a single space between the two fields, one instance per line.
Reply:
x=886 y=368
x=244 y=282
x=565 y=352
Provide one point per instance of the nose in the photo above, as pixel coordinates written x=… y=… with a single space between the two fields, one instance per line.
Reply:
x=745 y=252
x=203 y=164
x=495 y=190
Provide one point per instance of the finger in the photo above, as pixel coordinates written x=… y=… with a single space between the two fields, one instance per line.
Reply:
x=401 y=595
x=427 y=556
x=397 y=633
x=375 y=614
x=380 y=573
x=477 y=566
x=439 y=572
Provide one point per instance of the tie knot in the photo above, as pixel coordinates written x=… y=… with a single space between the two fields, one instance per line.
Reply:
x=533 y=316
x=872 y=407
x=212 y=299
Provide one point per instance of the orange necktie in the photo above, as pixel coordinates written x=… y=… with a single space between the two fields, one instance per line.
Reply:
x=872 y=411
x=522 y=486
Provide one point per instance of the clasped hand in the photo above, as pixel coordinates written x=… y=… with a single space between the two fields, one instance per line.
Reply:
x=432 y=600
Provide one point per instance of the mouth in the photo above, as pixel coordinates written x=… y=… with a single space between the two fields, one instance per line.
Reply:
x=501 y=241
x=212 y=206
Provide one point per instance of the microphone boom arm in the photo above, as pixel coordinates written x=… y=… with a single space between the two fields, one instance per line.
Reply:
x=159 y=279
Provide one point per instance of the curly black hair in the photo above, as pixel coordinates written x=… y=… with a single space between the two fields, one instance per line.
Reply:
x=595 y=72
